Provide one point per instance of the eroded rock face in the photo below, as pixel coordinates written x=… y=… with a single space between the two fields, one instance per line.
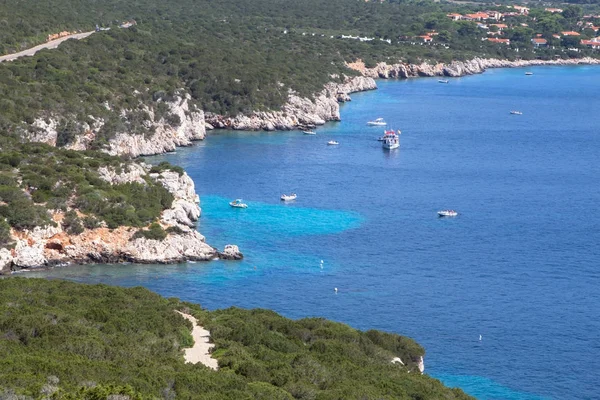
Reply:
x=298 y=111
x=6 y=259
x=52 y=245
x=165 y=137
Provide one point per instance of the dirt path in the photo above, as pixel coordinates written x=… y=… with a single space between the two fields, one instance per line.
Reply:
x=200 y=351
x=49 y=45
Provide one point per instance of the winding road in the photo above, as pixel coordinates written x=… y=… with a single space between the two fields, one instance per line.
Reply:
x=48 y=45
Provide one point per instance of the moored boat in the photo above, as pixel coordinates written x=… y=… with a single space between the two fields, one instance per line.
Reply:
x=332 y=143
x=443 y=81
x=447 y=213
x=237 y=203
x=391 y=139
x=309 y=132
x=377 y=122
x=516 y=112
x=288 y=197
x=528 y=73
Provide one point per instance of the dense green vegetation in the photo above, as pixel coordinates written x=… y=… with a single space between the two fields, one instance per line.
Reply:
x=232 y=56
x=73 y=341
x=36 y=179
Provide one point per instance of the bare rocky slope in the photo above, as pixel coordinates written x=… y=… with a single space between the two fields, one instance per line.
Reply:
x=52 y=245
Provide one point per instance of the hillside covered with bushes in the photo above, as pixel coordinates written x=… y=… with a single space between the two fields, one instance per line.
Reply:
x=65 y=340
x=38 y=181
x=231 y=56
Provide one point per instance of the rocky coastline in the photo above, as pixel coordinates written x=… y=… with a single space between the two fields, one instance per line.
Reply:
x=456 y=68
x=49 y=246
x=298 y=112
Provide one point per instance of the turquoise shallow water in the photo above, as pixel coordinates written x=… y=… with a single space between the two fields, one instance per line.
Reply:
x=518 y=266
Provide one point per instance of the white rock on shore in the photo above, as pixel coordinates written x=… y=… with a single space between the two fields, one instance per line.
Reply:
x=298 y=111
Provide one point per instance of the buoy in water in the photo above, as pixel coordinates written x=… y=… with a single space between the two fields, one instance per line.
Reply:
x=480 y=338
x=335 y=289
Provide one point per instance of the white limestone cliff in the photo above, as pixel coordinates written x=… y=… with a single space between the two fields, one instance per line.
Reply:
x=52 y=245
x=298 y=111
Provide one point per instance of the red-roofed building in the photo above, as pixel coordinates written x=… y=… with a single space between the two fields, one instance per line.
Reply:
x=454 y=16
x=570 y=33
x=494 y=15
x=593 y=44
x=500 y=26
x=426 y=38
x=522 y=10
x=476 y=17
x=495 y=40
x=555 y=36
x=553 y=10
x=539 y=42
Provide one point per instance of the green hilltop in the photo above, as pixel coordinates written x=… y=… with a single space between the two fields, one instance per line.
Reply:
x=63 y=340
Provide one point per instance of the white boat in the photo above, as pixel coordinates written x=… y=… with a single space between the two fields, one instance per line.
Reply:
x=516 y=112
x=332 y=143
x=237 y=203
x=391 y=140
x=528 y=73
x=442 y=80
x=288 y=197
x=309 y=132
x=377 y=122
x=447 y=213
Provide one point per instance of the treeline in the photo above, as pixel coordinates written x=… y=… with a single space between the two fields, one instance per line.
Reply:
x=64 y=340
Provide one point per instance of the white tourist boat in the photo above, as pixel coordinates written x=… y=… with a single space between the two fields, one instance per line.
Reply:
x=443 y=81
x=288 y=197
x=528 y=73
x=237 y=203
x=377 y=122
x=391 y=139
x=309 y=132
x=516 y=112
x=447 y=213
x=332 y=143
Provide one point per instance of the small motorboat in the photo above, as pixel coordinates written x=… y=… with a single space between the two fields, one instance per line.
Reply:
x=288 y=197
x=447 y=213
x=309 y=132
x=516 y=112
x=528 y=73
x=332 y=143
x=237 y=203
x=443 y=81
x=377 y=122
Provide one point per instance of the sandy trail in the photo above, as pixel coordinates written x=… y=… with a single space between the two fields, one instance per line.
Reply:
x=49 y=45
x=200 y=351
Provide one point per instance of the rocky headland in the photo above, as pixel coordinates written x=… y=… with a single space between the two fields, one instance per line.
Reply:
x=52 y=245
x=299 y=111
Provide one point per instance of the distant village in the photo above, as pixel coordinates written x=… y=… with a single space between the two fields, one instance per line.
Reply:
x=495 y=26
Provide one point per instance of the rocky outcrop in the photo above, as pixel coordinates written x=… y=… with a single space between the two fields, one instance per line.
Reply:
x=421 y=364
x=166 y=136
x=185 y=124
x=50 y=246
x=298 y=111
x=231 y=252
x=455 y=68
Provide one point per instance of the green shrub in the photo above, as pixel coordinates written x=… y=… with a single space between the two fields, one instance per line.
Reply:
x=72 y=223
x=154 y=232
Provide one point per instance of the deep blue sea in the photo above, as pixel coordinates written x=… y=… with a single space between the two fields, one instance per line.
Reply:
x=519 y=266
